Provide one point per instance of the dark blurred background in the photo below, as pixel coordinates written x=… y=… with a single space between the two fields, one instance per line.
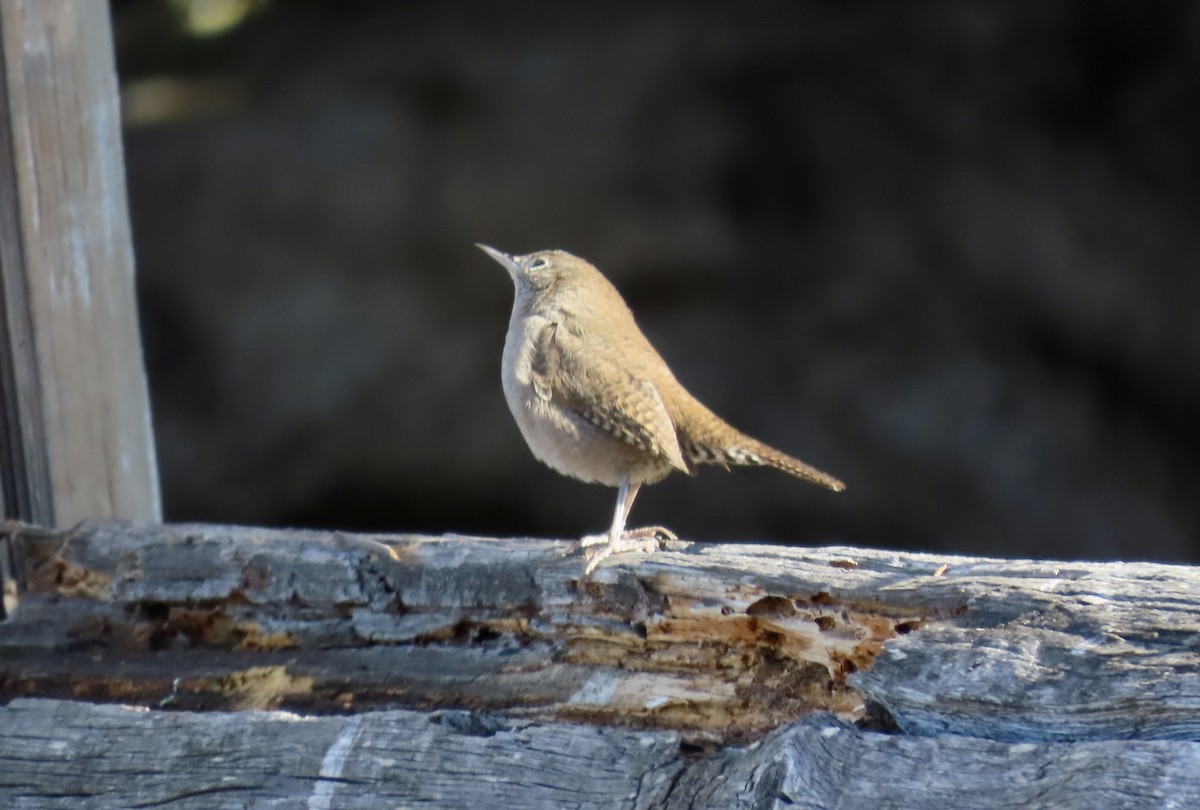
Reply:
x=946 y=251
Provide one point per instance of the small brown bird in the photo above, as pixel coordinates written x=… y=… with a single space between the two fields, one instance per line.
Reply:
x=594 y=400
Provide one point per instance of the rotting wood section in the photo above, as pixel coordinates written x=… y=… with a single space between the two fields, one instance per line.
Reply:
x=218 y=618
x=700 y=676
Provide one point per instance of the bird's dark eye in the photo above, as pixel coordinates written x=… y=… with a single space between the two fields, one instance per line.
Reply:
x=537 y=264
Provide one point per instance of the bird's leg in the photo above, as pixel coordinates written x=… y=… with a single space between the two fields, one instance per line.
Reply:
x=618 y=540
x=626 y=492
x=642 y=532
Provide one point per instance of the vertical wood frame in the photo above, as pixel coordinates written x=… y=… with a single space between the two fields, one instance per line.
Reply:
x=75 y=434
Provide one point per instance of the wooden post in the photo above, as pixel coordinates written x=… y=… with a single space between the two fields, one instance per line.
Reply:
x=75 y=433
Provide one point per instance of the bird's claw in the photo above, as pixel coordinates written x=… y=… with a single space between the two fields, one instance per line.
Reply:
x=646 y=539
x=642 y=533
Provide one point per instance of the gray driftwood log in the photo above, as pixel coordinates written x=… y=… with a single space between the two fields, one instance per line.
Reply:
x=261 y=668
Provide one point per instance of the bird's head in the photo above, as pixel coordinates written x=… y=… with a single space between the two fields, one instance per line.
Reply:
x=537 y=272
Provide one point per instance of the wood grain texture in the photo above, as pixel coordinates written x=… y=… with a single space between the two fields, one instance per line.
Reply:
x=75 y=435
x=58 y=754
x=821 y=763
x=750 y=676
x=114 y=757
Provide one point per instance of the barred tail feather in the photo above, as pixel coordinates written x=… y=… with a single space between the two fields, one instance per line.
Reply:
x=705 y=438
x=755 y=453
x=747 y=452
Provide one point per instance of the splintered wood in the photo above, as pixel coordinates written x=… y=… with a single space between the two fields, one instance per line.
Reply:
x=724 y=658
x=469 y=672
x=220 y=618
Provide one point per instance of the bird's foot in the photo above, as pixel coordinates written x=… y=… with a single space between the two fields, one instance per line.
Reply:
x=642 y=533
x=599 y=547
x=367 y=544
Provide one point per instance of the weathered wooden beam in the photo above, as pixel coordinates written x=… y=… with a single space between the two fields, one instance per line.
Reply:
x=747 y=676
x=75 y=435
x=57 y=754
x=150 y=613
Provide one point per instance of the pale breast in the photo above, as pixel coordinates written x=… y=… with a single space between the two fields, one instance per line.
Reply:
x=557 y=436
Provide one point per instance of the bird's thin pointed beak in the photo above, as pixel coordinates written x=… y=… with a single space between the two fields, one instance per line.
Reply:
x=508 y=262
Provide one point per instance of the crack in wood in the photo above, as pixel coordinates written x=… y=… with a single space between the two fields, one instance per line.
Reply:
x=1067 y=674
x=720 y=661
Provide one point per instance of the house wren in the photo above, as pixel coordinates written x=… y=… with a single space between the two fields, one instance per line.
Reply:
x=594 y=400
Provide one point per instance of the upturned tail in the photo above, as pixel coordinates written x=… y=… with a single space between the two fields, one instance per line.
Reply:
x=705 y=438
x=750 y=452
